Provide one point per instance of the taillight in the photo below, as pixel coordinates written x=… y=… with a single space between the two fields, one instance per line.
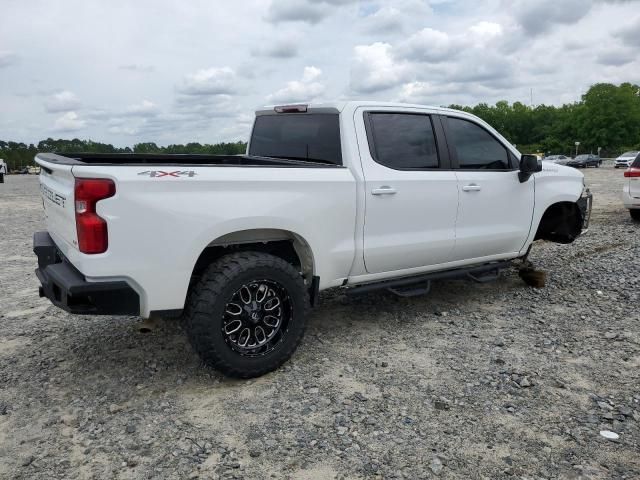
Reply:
x=92 y=229
x=632 y=172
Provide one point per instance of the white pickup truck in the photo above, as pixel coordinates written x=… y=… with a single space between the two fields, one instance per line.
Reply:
x=357 y=195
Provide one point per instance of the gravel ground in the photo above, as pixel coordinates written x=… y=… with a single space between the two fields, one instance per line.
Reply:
x=472 y=381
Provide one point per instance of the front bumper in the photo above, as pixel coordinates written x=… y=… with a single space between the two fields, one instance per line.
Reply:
x=68 y=289
x=585 y=203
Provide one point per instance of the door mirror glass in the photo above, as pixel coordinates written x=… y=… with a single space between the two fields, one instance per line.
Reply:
x=529 y=164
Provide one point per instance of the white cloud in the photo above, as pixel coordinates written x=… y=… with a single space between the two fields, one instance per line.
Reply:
x=145 y=108
x=64 y=101
x=123 y=130
x=490 y=70
x=210 y=81
x=418 y=92
x=373 y=68
x=486 y=30
x=431 y=46
x=434 y=46
x=69 y=122
x=310 y=74
x=306 y=89
x=206 y=106
x=427 y=93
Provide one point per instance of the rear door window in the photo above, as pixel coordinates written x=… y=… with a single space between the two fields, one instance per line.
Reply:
x=304 y=136
x=402 y=141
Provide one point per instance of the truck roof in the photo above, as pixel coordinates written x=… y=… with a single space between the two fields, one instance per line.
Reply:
x=341 y=105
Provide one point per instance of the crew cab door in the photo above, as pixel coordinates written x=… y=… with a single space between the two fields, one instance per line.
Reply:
x=496 y=210
x=411 y=195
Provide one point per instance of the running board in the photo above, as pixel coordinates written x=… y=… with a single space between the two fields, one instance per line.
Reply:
x=412 y=290
x=420 y=284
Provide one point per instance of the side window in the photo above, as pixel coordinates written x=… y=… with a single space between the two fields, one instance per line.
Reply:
x=475 y=147
x=402 y=141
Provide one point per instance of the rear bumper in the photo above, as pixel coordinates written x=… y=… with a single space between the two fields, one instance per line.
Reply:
x=68 y=289
x=629 y=201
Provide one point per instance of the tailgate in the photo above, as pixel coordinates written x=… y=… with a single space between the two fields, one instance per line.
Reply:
x=56 y=188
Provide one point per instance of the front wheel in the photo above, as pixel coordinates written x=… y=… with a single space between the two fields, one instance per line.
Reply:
x=635 y=213
x=247 y=314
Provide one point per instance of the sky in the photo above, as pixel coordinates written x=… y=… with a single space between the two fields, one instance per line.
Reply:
x=171 y=71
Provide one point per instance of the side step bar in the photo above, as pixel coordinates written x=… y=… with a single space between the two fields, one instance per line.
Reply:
x=421 y=283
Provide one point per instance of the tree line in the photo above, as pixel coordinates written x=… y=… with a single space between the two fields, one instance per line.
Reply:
x=606 y=117
x=18 y=154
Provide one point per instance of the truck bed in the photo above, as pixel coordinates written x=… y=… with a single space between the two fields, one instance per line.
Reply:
x=133 y=159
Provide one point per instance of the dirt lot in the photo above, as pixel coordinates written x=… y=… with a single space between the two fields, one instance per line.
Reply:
x=471 y=381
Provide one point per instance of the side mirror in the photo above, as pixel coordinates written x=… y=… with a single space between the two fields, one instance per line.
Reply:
x=529 y=164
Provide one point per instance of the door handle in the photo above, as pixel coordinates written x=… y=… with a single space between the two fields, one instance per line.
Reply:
x=384 y=191
x=471 y=188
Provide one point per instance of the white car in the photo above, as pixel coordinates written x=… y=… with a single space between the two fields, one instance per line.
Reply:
x=353 y=195
x=631 y=189
x=626 y=159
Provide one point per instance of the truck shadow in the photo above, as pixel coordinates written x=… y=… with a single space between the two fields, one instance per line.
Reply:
x=106 y=350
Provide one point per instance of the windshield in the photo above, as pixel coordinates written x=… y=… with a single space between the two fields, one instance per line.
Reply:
x=582 y=157
x=629 y=154
x=302 y=136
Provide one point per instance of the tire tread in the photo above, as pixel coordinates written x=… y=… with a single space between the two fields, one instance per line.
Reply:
x=208 y=291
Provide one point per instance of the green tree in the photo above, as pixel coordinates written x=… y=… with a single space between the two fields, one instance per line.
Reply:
x=148 y=147
x=610 y=117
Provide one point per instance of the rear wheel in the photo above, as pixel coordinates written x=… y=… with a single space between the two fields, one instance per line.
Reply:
x=635 y=213
x=246 y=315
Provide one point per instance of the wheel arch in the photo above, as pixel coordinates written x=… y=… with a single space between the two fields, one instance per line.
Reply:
x=282 y=243
x=561 y=222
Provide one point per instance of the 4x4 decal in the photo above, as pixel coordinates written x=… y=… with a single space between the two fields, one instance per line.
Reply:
x=161 y=173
